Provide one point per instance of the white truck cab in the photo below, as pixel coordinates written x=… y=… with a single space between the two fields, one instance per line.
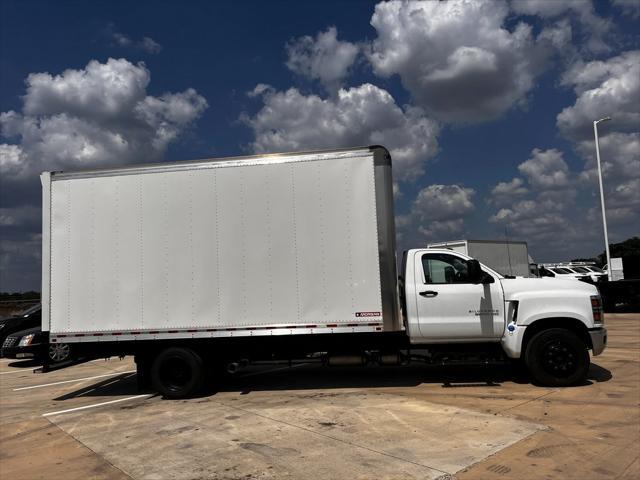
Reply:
x=549 y=323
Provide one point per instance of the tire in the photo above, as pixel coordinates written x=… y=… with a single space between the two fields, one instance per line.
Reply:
x=557 y=358
x=59 y=352
x=177 y=373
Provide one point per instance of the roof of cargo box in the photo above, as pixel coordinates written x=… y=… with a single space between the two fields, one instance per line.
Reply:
x=265 y=158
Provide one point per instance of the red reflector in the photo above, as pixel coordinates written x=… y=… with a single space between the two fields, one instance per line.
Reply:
x=597 y=316
x=332 y=325
x=116 y=333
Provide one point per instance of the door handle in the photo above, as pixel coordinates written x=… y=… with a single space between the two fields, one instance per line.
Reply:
x=429 y=293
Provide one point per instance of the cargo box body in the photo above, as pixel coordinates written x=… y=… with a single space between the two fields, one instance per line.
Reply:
x=283 y=244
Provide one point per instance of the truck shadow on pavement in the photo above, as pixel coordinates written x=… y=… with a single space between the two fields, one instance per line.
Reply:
x=29 y=363
x=313 y=377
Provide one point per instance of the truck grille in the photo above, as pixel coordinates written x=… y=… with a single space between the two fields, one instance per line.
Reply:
x=9 y=342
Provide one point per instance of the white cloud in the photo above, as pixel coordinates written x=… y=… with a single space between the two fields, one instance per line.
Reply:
x=505 y=192
x=20 y=216
x=457 y=58
x=546 y=169
x=363 y=115
x=559 y=35
x=147 y=44
x=619 y=152
x=537 y=221
x=438 y=211
x=608 y=88
x=546 y=8
x=12 y=159
x=594 y=28
x=628 y=7
x=97 y=115
x=541 y=213
x=604 y=88
x=323 y=58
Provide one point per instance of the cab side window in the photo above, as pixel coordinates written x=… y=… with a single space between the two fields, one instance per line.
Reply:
x=442 y=268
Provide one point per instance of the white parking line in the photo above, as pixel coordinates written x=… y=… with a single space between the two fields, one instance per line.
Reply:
x=146 y=395
x=16 y=371
x=72 y=381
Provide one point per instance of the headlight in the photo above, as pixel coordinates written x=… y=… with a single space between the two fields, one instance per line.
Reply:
x=26 y=340
x=596 y=308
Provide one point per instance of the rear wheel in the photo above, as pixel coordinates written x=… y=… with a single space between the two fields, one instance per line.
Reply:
x=557 y=358
x=59 y=352
x=177 y=372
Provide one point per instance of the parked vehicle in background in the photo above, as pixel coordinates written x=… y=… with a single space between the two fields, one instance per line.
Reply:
x=579 y=270
x=192 y=267
x=34 y=343
x=31 y=317
x=509 y=258
x=554 y=271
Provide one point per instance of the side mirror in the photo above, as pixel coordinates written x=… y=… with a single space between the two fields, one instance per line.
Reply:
x=474 y=271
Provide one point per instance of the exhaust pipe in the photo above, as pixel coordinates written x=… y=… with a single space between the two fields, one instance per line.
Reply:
x=233 y=367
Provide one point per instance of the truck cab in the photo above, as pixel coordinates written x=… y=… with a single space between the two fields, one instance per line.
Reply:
x=549 y=324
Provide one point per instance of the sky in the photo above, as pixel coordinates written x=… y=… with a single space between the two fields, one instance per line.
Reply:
x=486 y=106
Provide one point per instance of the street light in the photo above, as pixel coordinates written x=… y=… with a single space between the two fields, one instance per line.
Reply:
x=604 y=215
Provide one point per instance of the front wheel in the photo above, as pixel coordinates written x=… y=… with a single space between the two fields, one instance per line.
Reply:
x=557 y=358
x=177 y=372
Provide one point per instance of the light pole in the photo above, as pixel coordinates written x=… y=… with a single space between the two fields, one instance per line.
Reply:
x=604 y=215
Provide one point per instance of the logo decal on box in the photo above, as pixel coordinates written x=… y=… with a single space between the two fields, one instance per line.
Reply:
x=368 y=314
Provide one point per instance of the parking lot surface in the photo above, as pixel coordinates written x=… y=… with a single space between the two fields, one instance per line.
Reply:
x=90 y=421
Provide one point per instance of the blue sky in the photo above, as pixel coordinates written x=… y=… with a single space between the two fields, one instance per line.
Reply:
x=485 y=106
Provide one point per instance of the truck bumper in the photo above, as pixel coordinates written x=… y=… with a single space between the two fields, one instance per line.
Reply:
x=598 y=340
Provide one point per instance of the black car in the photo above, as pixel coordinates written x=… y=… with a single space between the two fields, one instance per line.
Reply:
x=29 y=318
x=34 y=343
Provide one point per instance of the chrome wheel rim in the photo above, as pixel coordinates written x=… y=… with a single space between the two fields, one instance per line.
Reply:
x=59 y=352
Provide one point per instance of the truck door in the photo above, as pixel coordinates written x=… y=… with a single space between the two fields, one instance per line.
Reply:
x=449 y=306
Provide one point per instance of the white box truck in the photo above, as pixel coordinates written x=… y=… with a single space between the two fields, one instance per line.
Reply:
x=510 y=258
x=196 y=265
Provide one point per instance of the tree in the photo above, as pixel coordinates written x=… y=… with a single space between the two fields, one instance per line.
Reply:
x=629 y=250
